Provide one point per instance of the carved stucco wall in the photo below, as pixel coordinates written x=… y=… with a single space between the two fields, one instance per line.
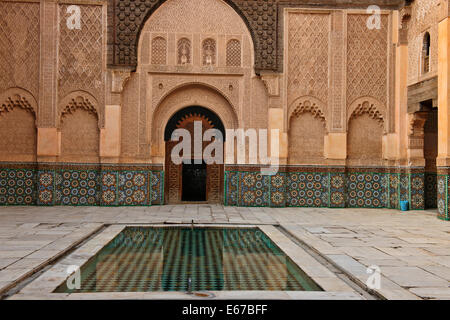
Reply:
x=18 y=135
x=364 y=141
x=334 y=66
x=129 y=118
x=369 y=101
x=79 y=136
x=19 y=46
x=307 y=139
x=367 y=59
x=263 y=18
x=424 y=18
x=19 y=80
x=129 y=18
x=190 y=95
x=159 y=74
x=308 y=43
x=81 y=55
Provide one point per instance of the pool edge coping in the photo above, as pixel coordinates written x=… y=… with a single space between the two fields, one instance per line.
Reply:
x=43 y=286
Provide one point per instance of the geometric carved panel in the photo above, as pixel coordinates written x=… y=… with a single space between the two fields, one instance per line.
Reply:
x=159 y=51
x=233 y=53
x=128 y=18
x=366 y=58
x=308 y=55
x=80 y=53
x=19 y=46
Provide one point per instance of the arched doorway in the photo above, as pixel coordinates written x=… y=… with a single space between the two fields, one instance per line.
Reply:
x=193 y=180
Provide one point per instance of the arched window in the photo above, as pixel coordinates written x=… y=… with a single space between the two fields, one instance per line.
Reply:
x=209 y=52
x=159 y=50
x=184 y=51
x=426 y=53
x=234 y=53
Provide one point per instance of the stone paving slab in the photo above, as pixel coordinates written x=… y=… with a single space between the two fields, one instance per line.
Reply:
x=411 y=256
x=411 y=248
x=17 y=264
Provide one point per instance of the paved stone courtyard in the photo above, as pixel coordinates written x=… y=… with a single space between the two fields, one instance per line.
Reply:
x=412 y=249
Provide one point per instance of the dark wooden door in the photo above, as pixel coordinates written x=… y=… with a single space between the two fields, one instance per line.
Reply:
x=194 y=182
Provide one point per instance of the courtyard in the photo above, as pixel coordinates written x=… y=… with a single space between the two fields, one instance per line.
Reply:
x=411 y=249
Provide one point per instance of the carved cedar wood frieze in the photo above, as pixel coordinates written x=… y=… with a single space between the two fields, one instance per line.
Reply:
x=263 y=18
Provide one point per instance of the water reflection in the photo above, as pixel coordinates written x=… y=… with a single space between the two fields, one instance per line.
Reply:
x=143 y=259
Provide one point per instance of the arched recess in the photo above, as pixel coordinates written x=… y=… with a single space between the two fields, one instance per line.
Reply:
x=125 y=37
x=307 y=129
x=18 y=131
x=194 y=94
x=180 y=20
x=78 y=121
x=196 y=179
x=365 y=130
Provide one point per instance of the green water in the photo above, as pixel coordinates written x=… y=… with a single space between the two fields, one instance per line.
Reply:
x=144 y=259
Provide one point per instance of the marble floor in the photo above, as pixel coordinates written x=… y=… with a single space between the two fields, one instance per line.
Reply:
x=410 y=249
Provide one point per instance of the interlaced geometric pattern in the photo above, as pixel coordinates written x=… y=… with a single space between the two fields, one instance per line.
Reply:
x=144 y=259
x=209 y=52
x=159 y=51
x=19 y=46
x=80 y=53
x=233 y=53
x=260 y=15
x=424 y=18
x=184 y=51
x=308 y=55
x=366 y=58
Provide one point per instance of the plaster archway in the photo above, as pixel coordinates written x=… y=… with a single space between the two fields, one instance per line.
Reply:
x=182 y=97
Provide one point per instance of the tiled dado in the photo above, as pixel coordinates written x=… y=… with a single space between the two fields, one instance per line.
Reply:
x=442 y=185
x=80 y=185
x=325 y=187
x=18 y=185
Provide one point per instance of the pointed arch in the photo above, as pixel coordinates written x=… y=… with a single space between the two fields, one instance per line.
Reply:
x=18 y=97
x=307 y=104
x=77 y=99
x=374 y=108
x=18 y=109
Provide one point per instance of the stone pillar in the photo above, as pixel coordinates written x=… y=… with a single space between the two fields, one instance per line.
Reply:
x=335 y=143
x=401 y=97
x=48 y=143
x=276 y=121
x=276 y=114
x=110 y=135
x=48 y=137
x=335 y=147
x=443 y=160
